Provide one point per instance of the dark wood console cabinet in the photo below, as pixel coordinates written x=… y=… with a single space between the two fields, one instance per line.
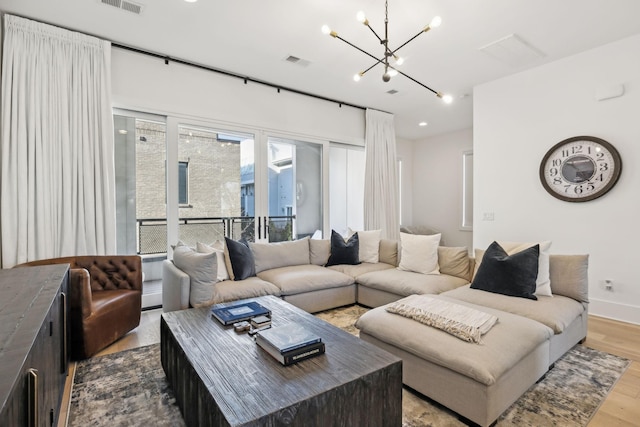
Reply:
x=33 y=344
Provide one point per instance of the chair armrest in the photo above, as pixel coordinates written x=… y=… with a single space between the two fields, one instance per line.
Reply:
x=176 y=286
x=80 y=292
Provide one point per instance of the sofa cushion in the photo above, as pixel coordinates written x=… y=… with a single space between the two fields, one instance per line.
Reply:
x=388 y=252
x=419 y=253
x=241 y=258
x=343 y=252
x=569 y=276
x=202 y=270
x=216 y=247
x=454 y=261
x=513 y=275
x=555 y=312
x=319 y=251
x=359 y=269
x=280 y=254
x=251 y=287
x=506 y=344
x=305 y=278
x=404 y=283
x=369 y=245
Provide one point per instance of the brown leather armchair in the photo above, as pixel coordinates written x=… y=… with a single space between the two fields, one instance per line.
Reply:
x=105 y=299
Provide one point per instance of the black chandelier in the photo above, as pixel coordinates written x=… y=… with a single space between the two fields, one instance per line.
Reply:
x=390 y=69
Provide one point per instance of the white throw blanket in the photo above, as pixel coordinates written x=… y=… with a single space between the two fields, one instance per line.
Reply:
x=458 y=320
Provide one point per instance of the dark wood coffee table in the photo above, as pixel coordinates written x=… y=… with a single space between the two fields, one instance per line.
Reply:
x=222 y=378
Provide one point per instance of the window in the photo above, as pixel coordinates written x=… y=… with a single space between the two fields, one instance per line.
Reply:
x=183 y=183
x=467 y=191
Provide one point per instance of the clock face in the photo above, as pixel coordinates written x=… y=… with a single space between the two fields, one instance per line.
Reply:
x=579 y=169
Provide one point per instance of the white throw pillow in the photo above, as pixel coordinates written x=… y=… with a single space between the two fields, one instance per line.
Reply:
x=368 y=245
x=419 y=253
x=202 y=269
x=543 y=282
x=218 y=248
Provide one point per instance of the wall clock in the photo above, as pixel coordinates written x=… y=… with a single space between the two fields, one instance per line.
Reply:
x=580 y=169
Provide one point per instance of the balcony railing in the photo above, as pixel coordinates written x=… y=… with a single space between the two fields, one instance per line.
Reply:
x=152 y=232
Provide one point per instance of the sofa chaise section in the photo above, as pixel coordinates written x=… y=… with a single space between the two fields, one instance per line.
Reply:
x=565 y=312
x=478 y=381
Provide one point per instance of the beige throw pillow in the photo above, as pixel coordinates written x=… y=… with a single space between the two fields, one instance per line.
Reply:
x=202 y=270
x=419 y=253
x=216 y=247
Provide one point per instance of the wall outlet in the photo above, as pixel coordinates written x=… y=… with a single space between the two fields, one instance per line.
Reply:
x=608 y=284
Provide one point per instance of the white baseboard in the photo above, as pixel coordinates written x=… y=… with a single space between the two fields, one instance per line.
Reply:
x=615 y=311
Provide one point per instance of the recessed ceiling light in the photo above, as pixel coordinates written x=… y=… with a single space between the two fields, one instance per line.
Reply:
x=191 y=1
x=122 y=131
x=423 y=124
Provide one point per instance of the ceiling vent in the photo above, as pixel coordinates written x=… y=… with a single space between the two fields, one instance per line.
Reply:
x=127 y=5
x=512 y=50
x=297 y=61
x=392 y=92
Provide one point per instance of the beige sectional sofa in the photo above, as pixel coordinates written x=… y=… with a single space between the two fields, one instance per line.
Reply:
x=477 y=381
x=312 y=286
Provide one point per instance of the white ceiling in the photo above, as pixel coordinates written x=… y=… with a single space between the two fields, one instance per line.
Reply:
x=253 y=37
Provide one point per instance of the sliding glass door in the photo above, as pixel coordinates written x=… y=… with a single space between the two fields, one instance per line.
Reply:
x=294 y=192
x=215 y=184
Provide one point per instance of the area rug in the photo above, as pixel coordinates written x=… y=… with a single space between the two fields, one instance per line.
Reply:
x=129 y=388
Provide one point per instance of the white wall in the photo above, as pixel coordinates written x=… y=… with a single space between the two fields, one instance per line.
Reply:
x=145 y=83
x=437 y=185
x=517 y=119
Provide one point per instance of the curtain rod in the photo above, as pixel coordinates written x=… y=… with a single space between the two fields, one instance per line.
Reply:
x=246 y=79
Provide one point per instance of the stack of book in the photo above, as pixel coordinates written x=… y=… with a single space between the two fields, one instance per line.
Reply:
x=290 y=343
x=228 y=314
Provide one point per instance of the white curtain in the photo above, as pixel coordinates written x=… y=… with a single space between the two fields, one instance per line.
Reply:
x=381 y=175
x=57 y=173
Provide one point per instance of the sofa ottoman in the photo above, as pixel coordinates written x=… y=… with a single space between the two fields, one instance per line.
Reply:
x=478 y=381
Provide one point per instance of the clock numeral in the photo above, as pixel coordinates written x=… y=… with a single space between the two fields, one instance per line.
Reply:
x=600 y=156
x=567 y=187
x=553 y=172
x=576 y=149
x=557 y=180
x=590 y=186
x=604 y=167
x=578 y=189
x=566 y=153
x=556 y=162
x=600 y=178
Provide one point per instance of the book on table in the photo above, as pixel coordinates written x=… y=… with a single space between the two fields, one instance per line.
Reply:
x=293 y=356
x=228 y=314
x=288 y=337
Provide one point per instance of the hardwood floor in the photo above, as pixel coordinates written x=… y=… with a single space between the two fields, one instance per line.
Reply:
x=621 y=407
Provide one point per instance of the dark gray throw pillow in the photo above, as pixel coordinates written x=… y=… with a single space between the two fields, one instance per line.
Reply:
x=344 y=252
x=514 y=275
x=241 y=259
